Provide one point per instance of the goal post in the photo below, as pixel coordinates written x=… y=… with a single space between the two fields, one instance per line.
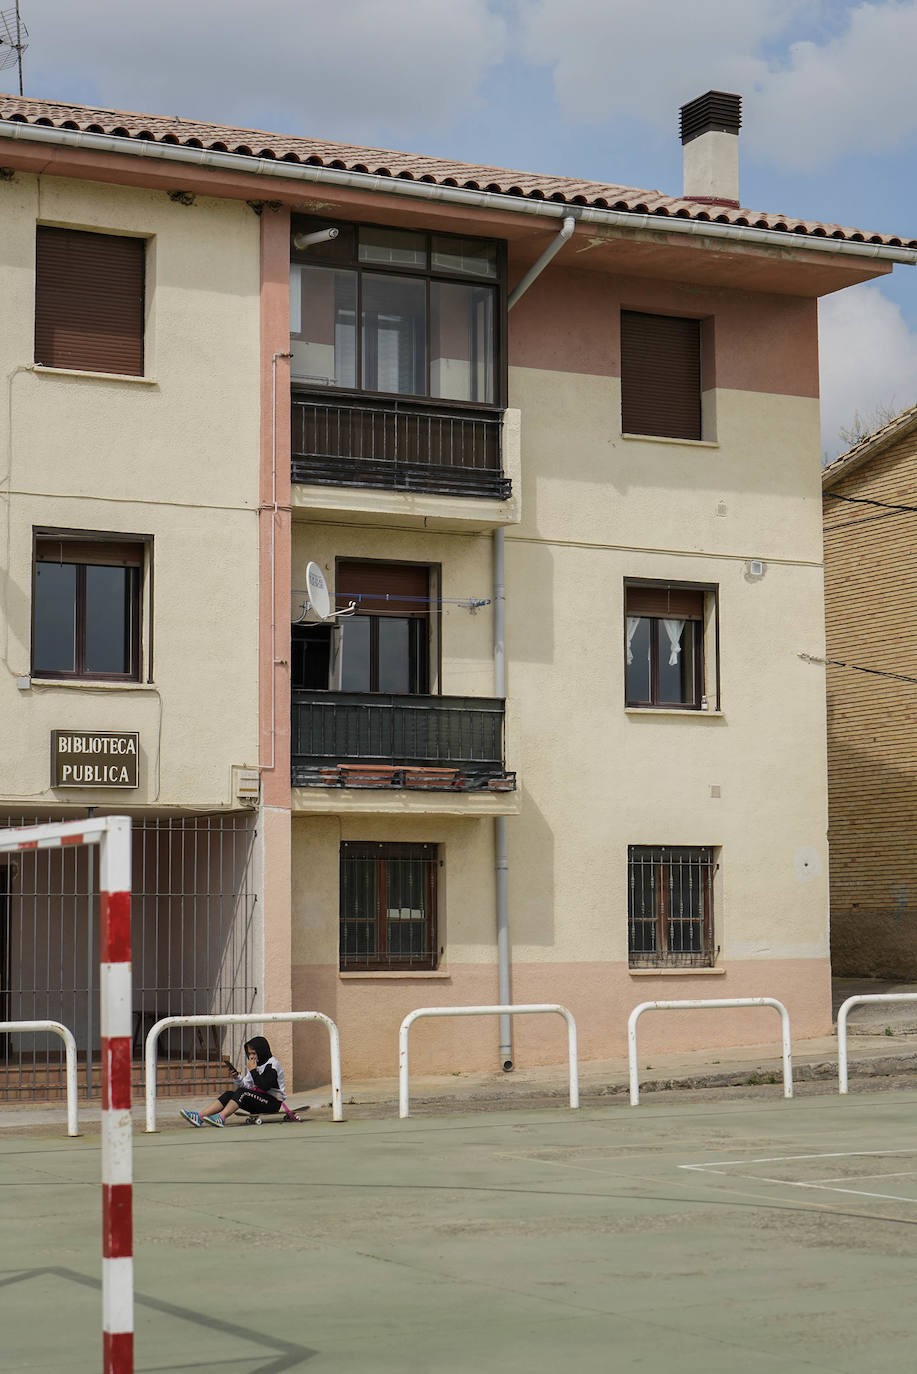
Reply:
x=113 y=836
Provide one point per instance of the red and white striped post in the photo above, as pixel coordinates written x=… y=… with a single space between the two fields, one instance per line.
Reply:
x=117 y=1162
x=113 y=836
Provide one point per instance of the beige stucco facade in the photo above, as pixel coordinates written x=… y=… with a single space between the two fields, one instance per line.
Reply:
x=745 y=777
x=194 y=460
x=172 y=457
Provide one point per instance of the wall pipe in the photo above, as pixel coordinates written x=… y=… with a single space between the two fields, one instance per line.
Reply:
x=566 y=232
x=450 y=195
x=501 y=856
x=501 y=861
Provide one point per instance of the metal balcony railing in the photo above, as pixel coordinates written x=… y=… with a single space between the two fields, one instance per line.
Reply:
x=376 y=740
x=397 y=445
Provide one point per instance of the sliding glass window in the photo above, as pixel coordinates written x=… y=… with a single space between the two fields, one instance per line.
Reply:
x=396 y=312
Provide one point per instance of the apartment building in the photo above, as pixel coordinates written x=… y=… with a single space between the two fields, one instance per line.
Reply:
x=443 y=540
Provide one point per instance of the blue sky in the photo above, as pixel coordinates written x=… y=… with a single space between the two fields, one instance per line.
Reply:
x=580 y=87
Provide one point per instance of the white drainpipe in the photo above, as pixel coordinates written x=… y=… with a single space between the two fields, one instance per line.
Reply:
x=501 y=861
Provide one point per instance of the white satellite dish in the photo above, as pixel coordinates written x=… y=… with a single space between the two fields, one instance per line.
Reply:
x=317 y=591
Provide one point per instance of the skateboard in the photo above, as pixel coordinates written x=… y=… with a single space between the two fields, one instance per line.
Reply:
x=277 y=1116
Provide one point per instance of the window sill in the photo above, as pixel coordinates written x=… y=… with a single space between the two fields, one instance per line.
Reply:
x=413 y=974
x=689 y=711
x=41 y=370
x=665 y=439
x=676 y=972
x=95 y=684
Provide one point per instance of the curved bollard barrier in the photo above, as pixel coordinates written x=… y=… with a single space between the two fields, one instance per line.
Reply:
x=55 y=1027
x=706 y=1004
x=505 y=1010
x=842 y=1014
x=252 y=1018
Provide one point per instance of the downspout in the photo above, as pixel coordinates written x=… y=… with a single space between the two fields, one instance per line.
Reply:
x=556 y=244
x=501 y=861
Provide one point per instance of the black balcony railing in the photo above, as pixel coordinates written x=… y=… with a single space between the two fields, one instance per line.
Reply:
x=374 y=740
x=397 y=445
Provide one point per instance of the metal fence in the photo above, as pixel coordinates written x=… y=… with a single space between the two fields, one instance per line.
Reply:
x=398 y=445
x=194 y=907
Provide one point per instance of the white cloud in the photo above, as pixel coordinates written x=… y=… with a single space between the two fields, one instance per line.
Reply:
x=327 y=68
x=851 y=90
x=868 y=359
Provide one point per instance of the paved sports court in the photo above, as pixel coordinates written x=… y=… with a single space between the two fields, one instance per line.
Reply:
x=744 y=1235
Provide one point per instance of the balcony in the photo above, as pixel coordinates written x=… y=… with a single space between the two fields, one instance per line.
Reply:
x=372 y=741
x=446 y=464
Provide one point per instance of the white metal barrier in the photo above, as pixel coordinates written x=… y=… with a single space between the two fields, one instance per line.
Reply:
x=705 y=1004
x=251 y=1018
x=23 y=1027
x=842 y=1026
x=505 y=1010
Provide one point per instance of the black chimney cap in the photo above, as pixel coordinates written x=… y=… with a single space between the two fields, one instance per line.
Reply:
x=715 y=110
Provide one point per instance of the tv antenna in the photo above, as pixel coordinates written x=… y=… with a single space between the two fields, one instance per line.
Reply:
x=14 y=39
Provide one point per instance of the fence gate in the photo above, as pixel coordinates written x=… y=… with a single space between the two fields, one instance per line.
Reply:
x=195 y=910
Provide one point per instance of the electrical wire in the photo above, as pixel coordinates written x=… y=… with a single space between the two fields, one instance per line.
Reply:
x=856 y=668
x=887 y=508
x=867 y=501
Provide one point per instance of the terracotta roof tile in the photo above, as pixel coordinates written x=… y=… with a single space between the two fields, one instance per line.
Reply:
x=413 y=166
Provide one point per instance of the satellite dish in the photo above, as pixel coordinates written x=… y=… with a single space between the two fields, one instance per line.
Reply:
x=318 y=594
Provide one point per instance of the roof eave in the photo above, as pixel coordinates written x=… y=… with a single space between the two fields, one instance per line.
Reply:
x=258 y=168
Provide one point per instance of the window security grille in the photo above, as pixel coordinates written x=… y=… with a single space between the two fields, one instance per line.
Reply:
x=670 y=906
x=388 y=906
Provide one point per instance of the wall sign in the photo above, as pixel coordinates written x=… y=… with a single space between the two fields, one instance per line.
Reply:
x=95 y=758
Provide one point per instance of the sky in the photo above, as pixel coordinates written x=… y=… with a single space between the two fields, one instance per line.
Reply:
x=587 y=88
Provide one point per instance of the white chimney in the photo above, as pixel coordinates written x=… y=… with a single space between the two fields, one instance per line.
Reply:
x=710 y=139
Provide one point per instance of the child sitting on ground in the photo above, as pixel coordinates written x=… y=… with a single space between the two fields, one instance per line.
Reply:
x=259 y=1091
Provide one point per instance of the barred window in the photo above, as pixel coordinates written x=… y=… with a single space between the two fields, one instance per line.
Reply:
x=388 y=900
x=670 y=906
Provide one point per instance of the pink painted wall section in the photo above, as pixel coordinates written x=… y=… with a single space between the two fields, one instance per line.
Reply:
x=277 y=915
x=274 y=640
x=600 y=996
x=568 y=322
x=276 y=543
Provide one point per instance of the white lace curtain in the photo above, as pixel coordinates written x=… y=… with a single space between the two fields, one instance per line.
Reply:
x=632 y=622
x=674 y=629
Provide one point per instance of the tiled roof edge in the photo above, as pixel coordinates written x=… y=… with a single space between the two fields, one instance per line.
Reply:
x=249 y=143
x=869 y=447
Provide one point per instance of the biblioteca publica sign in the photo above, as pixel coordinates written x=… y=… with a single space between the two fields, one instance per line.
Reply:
x=95 y=758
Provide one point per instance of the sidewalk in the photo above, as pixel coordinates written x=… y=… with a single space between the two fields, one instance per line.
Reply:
x=876 y=1055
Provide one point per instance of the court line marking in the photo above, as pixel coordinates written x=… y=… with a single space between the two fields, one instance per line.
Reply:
x=822 y=1186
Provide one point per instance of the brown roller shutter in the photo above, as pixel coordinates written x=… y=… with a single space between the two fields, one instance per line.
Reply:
x=660 y=376
x=678 y=603
x=103 y=552
x=370 y=583
x=89 y=301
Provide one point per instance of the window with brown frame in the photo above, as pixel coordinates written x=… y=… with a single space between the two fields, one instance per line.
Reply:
x=388 y=901
x=670 y=906
x=86 y=608
x=660 y=376
x=664 y=645
x=89 y=301
x=386 y=643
